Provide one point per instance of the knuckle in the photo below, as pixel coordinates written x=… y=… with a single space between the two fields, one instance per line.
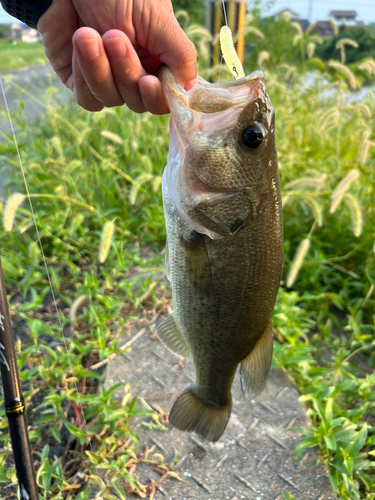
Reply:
x=126 y=78
x=120 y=102
x=136 y=108
x=80 y=82
x=93 y=107
x=133 y=100
x=160 y=108
x=112 y=103
x=189 y=53
x=110 y=100
x=86 y=101
x=89 y=106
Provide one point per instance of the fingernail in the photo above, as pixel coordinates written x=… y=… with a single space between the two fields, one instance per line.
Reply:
x=89 y=48
x=115 y=48
x=149 y=92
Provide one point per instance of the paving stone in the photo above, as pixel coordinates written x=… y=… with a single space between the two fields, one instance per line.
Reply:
x=253 y=460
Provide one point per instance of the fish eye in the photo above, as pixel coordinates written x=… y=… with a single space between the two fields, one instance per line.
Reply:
x=252 y=136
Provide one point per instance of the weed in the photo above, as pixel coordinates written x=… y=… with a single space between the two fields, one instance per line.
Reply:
x=20 y=54
x=96 y=192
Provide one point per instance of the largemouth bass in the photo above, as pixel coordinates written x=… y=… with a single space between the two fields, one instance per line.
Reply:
x=224 y=253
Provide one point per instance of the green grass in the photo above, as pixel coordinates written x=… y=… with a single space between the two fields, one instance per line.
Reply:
x=20 y=55
x=87 y=169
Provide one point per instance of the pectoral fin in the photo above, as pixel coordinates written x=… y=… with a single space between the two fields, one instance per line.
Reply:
x=171 y=335
x=197 y=261
x=223 y=215
x=255 y=367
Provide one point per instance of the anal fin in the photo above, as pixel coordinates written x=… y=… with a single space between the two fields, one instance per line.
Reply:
x=171 y=335
x=255 y=367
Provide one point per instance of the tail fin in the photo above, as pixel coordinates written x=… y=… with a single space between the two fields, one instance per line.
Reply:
x=190 y=413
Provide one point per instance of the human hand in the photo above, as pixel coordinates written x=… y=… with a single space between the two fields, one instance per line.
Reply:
x=108 y=52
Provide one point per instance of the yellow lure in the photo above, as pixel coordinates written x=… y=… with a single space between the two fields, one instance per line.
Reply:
x=229 y=53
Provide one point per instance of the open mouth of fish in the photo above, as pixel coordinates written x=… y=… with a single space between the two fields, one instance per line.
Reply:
x=199 y=117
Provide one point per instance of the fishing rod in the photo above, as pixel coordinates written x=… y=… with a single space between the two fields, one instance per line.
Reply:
x=14 y=402
x=29 y=12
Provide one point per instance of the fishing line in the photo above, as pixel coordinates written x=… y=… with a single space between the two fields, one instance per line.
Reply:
x=226 y=24
x=225 y=13
x=42 y=251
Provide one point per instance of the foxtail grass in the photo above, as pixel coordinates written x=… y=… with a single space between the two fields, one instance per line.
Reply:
x=346 y=41
x=316 y=209
x=310 y=49
x=111 y=136
x=363 y=107
x=10 y=210
x=340 y=45
x=297 y=261
x=355 y=214
x=346 y=71
x=75 y=306
x=342 y=188
x=368 y=66
x=334 y=26
x=76 y=223
x=263 y=56
x=315 y=183
x=106 y=241
x=364 y=148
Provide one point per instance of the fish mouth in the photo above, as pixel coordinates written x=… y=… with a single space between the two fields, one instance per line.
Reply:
x=209 y=109
x=205 y=112
x=207 y=97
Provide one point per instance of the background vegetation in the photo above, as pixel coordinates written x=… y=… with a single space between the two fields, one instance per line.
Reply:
x=3 y=29
x=88 y=173
x=364 y=37
x=195 y=8
x=20 y=54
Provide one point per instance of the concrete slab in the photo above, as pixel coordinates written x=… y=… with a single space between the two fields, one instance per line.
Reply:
x=254 y=459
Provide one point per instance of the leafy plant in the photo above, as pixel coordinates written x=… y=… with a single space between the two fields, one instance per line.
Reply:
x=97 y=202
x=363 y=37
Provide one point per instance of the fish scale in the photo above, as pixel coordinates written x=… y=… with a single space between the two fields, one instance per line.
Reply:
x=222 y=209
